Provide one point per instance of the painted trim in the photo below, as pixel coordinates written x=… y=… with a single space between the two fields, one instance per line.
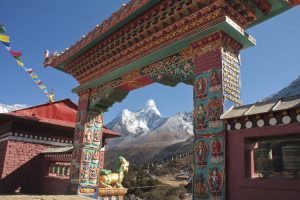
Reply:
x=34 y=140
x=228 y=26
x=109 y=32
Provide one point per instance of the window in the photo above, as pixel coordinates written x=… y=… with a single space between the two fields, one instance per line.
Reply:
x=275 y=157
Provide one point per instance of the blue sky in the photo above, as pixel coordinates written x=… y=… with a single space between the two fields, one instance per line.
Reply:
x=35 y=26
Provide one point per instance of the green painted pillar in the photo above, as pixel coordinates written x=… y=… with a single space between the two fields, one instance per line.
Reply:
x=216 y=79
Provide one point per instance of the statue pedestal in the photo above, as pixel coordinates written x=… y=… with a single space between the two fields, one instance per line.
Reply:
x=111 y=193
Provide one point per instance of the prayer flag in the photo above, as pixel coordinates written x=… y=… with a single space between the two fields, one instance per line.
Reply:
x=20 y=63
x=33 y=76
x=42 y=87
x=39 y=82
x=15 y=53
x=2 y=29
x=7 y=48
x=4 y=38
x=6 y=45
x=29 y=71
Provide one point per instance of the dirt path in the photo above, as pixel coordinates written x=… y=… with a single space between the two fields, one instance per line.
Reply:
x=171 y=181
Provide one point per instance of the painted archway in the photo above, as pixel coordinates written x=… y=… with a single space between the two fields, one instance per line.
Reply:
x=166 y=41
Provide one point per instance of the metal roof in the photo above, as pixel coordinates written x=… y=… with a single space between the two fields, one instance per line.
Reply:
x=287 y=103
x=59 y=113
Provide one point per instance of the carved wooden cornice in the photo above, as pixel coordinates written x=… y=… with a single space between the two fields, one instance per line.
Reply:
x=100 y=29
x=159 y=26
x=104 y=59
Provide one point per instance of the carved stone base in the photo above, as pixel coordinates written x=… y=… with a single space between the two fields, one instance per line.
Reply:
x=111 y=193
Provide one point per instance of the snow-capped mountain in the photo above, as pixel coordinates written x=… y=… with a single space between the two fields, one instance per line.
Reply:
x=137 y=123
x=8 y=108
x=291 y=90
x=147 y=127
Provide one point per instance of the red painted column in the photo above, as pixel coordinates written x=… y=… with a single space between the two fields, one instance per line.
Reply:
x=86 y=160
x=216 y=64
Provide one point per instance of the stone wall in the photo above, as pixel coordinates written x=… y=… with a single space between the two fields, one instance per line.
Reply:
x=23 y=165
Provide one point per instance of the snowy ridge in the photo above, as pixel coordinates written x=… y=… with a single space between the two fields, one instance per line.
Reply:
x=136 y=123
x=292 y=90
x=148 y=127
x=8 y=108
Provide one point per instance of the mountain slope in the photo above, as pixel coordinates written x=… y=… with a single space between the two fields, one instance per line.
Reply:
x=291 y=90
x=8 y=108
x=146 y=127
x=137 y=123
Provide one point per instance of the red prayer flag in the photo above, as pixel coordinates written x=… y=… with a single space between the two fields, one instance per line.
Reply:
x=15 y=53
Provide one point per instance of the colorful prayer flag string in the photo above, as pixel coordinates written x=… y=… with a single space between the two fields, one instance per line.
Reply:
x=5 y=40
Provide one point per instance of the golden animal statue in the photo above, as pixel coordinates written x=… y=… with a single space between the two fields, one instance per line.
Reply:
x=107 y=179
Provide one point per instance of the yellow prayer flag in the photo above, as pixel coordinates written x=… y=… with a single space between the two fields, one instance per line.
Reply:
x=20 y=63
x=34 y=76
x=42 y=87
x=4 y=38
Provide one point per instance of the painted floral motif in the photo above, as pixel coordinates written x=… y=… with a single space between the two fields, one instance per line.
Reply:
x=215 y=180
x=201 y=152
x=180 y=72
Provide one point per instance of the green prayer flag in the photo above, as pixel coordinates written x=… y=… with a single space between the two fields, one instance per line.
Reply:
x=2 y=29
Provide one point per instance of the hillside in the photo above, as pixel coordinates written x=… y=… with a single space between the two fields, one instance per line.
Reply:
x=292 y=89
x=146 y=133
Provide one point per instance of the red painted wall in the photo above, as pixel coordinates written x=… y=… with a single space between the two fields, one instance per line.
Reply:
x=241 y=187
x=22 y=167
x=55 y=185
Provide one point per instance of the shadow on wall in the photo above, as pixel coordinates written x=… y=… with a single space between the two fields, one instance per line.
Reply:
x=26 y=179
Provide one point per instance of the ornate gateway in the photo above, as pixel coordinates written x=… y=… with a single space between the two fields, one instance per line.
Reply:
x=192 y=41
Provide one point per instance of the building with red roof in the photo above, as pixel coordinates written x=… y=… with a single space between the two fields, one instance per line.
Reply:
x=36 y=146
